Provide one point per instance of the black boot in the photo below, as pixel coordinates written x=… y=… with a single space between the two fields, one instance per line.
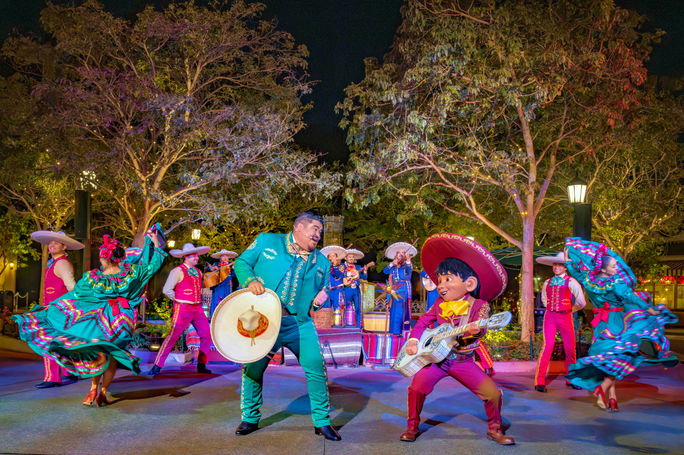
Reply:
x=47 y=385
x=155 y=370
x=202 y=368
x=246 y=428
x=540 y=388
x=328 y=432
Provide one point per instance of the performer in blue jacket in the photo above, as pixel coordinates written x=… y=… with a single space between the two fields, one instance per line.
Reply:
x=399 y=271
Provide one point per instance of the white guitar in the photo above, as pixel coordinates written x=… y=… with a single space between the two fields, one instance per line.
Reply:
x=436 y=344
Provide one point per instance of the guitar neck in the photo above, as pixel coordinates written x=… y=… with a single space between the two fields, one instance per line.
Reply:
x=457 y=331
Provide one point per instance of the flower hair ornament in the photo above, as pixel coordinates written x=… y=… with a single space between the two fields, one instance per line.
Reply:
x=109 y=244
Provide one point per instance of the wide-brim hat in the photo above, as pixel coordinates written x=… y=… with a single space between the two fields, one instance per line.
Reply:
x=551 y=260
x=189 y=248
x=228 y=333
x=341 y=252
x=230 y=254
x=490 y=273
x=45 y=237
x=391 y=251
x=357 y=254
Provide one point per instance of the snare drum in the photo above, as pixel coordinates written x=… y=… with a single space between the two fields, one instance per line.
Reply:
x=211 y=279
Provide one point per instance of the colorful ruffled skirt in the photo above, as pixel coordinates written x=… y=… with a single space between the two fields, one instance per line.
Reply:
x=619 y=354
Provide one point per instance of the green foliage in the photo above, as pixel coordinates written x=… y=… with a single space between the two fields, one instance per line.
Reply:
x=15 y=241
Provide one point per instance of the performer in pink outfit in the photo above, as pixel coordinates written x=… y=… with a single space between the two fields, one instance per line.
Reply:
x=561 y=295
x=59 y=279
x=467 y=275
x=184 y=287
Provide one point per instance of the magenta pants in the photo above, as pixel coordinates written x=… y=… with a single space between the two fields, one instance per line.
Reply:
x=183 y=315
x=468 y=373
x=556 y=322
x=53 y=372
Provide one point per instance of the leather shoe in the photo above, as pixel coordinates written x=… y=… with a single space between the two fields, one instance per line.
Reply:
x=500 y=438
x=155 y=370
x=409 y=435
x=246 y=428
x=328 y=432
x=47 y=385
x=202 y=368
x=540 y=388
x=572 y=386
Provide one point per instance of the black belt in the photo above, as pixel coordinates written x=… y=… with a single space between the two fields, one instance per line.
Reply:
x=456 y=356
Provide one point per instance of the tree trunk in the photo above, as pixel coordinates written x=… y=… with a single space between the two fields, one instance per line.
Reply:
x=526 y=310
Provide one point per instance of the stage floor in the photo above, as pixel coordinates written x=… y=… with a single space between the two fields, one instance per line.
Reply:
x=181 y=412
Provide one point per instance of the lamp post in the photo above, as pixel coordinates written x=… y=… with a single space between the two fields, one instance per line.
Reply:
x=577 y=194
x=196 y=234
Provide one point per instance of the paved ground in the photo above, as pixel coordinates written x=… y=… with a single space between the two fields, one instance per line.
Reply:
x=181 y=412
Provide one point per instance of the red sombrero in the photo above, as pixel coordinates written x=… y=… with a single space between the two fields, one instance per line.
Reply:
x=490 y=272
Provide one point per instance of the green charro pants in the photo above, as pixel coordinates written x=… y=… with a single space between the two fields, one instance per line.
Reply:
x=302 y=340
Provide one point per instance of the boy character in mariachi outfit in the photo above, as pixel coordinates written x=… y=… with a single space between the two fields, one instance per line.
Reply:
x=184 y=288
x=225 y=287
x=399 y=271
x=467 y=276
x=562 y=295
x=59 y=279
x=352 y=288
x=335 y=253
x=291 y=266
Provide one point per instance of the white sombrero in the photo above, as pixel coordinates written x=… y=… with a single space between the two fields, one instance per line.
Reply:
x=245 y=326
x=391 y=251
x=230 y=254
x=551 y=260
x=358 y=254
x=45 y=237
x=189 y=248
x=341 y=252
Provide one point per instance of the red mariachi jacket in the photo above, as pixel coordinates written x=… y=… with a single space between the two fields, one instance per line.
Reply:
x=477 y=310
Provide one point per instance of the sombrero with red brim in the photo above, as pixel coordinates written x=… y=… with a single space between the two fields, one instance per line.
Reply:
x=490 y=273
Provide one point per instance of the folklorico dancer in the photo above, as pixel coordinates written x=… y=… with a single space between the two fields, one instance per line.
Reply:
x=88 y=329
x=352 y=285
x=292 y=267
x=467 y=276
x=561 y=295
x=59 y=279
x=335 y=253
x=184 y=288
x=225 y=287
x=628 y=330
x=399 y=272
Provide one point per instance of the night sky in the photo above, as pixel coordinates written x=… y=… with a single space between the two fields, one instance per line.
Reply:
x=341 y=33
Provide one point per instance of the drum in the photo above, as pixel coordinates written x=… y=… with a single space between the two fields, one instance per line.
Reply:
x=224 y=272
x=211 y=279
x=337 y=317
x=323 y=318
x=375 y=322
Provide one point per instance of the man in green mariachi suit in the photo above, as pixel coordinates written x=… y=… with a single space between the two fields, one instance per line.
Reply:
x=292 y=267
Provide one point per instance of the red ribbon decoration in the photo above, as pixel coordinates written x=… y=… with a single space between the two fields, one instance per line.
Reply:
x=602 y=314
x=117 y=304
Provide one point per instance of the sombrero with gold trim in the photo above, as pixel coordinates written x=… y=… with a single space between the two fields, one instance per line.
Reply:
x=490 y=273
x=552 y=260
x=393 y=249
x=358 y=254
x=230 y=254
x=245 y=326
x=341 y=252
x=45 y=237
x=189 y=248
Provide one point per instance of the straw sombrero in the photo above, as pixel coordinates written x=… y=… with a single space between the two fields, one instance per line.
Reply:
x=230 y=254
x=45 y=237
x=341 y=252
x=189 y=248
x=551 y=260
x=358 y=254
x=391 y=251
x=489 y=271
x=245 y=326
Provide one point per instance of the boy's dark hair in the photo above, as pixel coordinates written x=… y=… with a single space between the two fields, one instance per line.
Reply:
x=460 y=269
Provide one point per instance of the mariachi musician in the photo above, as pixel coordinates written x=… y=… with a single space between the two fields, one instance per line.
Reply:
x=399 y=277
x=352 y=286
x=335 y=253
x=224 y=275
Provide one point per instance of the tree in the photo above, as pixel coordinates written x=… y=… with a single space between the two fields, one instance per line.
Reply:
x=187 y=113
x=15 y=241
x=479 y=106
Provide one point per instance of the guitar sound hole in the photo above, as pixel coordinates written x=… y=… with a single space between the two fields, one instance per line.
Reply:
x=428 y=341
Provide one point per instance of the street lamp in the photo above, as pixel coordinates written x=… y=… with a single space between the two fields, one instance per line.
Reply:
x=171 y=243
x=577 y=194
x=196 y=234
